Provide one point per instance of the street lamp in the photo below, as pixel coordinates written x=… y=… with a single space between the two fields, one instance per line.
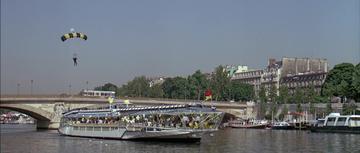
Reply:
x=18 y=89
x=70 y=89
x=31 y=87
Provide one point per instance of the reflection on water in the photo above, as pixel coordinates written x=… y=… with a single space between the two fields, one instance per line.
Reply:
x=25 y=138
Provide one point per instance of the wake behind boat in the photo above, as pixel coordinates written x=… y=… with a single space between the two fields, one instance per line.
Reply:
x=169 y=122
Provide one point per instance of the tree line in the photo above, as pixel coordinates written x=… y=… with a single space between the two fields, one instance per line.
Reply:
x=342 y=81
x=191 y=87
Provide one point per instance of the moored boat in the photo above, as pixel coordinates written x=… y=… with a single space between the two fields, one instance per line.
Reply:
x=336 y=123
x=282 y=126
x=253 y=124
x=167 y=122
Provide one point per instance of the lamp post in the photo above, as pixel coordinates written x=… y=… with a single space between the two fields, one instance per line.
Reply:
x=18 y=89
x=70 y=89
x=31 y=87
x=87 y=85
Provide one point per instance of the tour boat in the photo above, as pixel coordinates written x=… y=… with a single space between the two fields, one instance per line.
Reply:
x=336 y=123
x=167 y=122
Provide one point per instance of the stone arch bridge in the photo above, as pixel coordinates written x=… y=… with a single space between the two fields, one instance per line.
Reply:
x=48 y=110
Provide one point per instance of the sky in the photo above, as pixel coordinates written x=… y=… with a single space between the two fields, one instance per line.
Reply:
x=164 y=38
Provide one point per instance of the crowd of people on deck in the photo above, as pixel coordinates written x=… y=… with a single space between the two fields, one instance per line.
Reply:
x=181 y=120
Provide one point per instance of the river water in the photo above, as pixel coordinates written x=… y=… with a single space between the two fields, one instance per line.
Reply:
x=25 y=138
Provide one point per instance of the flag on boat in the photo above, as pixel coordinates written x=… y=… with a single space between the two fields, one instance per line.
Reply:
x=126 y=101
x=110 y=100
x=208 y=95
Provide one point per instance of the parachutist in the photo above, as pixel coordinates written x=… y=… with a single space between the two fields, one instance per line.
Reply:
x=75 y=61
x=73 y=35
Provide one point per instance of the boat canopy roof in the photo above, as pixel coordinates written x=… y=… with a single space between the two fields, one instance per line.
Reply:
x=164 y=109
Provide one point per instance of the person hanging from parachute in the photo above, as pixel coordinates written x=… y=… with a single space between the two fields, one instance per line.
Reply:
x=74 y=35
x=75 y=59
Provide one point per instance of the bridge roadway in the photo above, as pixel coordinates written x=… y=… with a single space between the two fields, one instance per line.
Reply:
x=97 y=101
x=48 y=110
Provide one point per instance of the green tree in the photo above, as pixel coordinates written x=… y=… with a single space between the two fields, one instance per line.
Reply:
x=219 y=82
x=312 y=108
x=138 y=87
x=283 y=95
x=262 y=94
x=197 y=85
x=298 y=96
x=168 y=88
x=273 y=93
x=339 y=80
x=349 y=108
x=240 y=91
x=107 y=87
x=284 y=112
x=356 y=83
x=310 y=94
x=175 y=87
x=263 y=100
x=156 y=91
x=328 y=108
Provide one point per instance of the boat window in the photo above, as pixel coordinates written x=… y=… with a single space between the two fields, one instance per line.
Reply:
x=341 y=121
x=331 y=121
x=354 y=121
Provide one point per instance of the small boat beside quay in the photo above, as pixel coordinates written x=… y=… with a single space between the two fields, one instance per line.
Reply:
x=282 y=126
x=336 y=123
x=251 y=124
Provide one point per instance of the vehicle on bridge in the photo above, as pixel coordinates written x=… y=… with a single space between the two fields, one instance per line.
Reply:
x=97 y=93
x=167 y=122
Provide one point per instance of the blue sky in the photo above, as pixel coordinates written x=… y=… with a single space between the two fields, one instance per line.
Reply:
x=165 y=38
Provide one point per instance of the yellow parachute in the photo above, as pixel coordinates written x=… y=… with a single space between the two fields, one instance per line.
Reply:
x=73 y=35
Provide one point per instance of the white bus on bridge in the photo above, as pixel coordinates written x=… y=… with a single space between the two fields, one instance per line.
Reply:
x=97 y=93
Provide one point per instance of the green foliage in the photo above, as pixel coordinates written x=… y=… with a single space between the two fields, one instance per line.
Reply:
x=273 y=108
x=138 y=87
x=356 y=83
x=298 y=96
x=321 y=99
x=219 y=83
x=310 y=94
x=197 y=85
x=273 y=93
x=299 y=108
x=339 y=81
x=349 y=108
x=238 y=91
x=283 y=95
x=284 y=112
x=156 y=91
x=312 y=108
x=328 y=108
x=262 y=94
x=175 y=88
x=107 y=87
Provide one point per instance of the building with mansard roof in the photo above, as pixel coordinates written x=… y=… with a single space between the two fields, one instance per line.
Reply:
x=290 y=72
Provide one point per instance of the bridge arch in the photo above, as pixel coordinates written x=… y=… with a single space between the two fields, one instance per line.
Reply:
x=36 y=113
